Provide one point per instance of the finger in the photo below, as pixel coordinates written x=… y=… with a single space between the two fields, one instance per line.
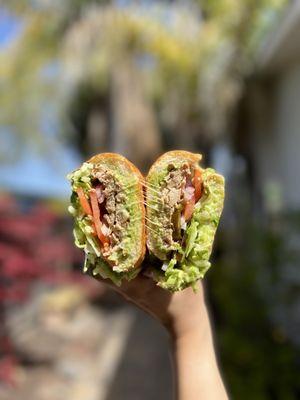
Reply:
x=140 y=283
x=99 y=278
x=140 y=287
x=126 y=289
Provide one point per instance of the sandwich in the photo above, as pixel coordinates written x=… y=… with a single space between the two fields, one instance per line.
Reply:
x=108 y=210
x=183 y=207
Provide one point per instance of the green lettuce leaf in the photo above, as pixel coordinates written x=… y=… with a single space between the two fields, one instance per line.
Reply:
x=199 y=240
x=96 y=266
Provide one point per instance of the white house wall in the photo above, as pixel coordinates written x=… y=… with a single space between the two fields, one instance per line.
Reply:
x=277 y=143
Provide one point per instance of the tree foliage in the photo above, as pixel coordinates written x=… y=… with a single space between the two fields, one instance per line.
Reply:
x=192 y=60
x=254 y=288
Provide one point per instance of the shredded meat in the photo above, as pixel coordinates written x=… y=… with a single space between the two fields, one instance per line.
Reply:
x=114 y=216
x=109 y=219
x=172 y=198
x=110 y=204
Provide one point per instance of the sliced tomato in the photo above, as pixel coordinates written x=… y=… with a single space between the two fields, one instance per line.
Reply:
x=84 y=201
x=189 y=208
x=197 y=182
x=96 y=218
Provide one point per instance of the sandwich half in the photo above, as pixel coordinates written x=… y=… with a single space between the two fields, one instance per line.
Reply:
x=108 y=210
x=183 y=206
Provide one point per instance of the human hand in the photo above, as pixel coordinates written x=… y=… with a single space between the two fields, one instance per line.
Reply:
x=179 y=312
x=185 y=316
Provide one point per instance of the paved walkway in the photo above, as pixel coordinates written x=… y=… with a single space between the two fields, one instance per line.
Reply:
x=73 y=350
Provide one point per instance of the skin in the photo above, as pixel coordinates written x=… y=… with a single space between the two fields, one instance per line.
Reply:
x=184 y=315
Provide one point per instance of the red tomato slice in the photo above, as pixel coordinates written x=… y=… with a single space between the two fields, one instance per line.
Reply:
x=189 y=208
x=197 y=182
x=96 y=218
x=84 y=201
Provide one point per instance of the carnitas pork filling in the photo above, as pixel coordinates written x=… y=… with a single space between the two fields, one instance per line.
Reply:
x=180 y=191
x=114 y=217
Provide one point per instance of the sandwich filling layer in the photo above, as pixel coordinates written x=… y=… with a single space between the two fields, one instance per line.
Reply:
x=184 y=204
x=107 y=206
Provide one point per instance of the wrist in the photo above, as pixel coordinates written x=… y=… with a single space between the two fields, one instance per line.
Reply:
x=190 y=320
x=190 y=323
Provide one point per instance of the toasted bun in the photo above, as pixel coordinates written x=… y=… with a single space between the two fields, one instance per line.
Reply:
x=193 y=158
x=114 y=157
x=160 y=163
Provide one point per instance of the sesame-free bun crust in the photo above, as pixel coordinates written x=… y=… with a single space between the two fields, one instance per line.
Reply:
x=114 y=157
x=187 y=156
x=160 y=163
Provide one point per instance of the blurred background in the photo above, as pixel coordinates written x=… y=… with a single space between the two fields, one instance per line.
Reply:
x=78 y=77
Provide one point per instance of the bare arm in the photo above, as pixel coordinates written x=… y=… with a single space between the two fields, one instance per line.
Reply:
x=197 y=373
x=185 y=316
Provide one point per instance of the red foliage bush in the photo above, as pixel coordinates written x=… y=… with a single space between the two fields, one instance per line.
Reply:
x=35 y=245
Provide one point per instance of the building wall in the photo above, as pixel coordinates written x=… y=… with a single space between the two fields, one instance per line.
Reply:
x=277 y=142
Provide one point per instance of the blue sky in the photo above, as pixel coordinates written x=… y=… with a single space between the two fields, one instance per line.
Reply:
x=34 y=173
x=10 y=26
x=40 y=175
